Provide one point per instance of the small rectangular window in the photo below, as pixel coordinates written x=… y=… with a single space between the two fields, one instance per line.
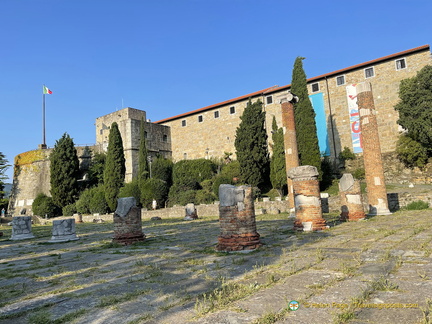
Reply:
x=340 y=80
x=200 y=119
x=165 y=138
x=184 y=123
x=232 y=110
x=315 y=87
x=269 y=100
x=369 y=72
x=216 y=114
x=400 y=64
x=145 y=135
x=184 y=156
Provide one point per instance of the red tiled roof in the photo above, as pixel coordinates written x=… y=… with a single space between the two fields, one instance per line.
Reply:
x=277 y=88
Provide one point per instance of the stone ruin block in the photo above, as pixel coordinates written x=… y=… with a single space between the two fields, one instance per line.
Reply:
x=237 y=219
x=127 y=222
x=307 y=199
x=191 y=212
x=21 y=228
x=63 y=231
x=350 y=198
x=78 y=218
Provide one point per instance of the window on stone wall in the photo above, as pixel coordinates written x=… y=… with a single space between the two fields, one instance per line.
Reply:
x=145 y=135
x=200 y=119
x=165 y=138
x=369 y=72
x=216 y=114
x=400 y=64
x=184 y=156
x=232 y=110
x=340 y=80
x=315 y=87
x=269 y=100
x=184 y=123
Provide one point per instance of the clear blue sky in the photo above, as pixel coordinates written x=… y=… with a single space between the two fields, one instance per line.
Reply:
x=168 y=57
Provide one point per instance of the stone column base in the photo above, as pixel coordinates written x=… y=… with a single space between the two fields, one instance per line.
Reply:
x=16 y=237
x=376 y=210
x=310 y=225
x=129 y=239
x=63 y=238
x=352 y=217
x=239 y=242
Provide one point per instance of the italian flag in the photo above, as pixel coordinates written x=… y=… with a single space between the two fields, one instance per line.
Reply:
x=46 y=90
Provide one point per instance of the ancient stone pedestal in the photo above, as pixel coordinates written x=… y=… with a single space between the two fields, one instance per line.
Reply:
x=237 y=219
x=78 y=218
x=307 y=199
x=21 y=228
x=127 y=222
x=191 y=212
x=350 y=199
x=63 y=231
x=374 y=172
x=290 y=141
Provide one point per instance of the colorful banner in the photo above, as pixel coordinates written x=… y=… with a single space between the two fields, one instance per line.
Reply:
x=354 y=118
x=317 y=101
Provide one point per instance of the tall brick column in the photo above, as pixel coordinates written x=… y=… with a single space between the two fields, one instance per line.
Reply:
x=350 y=198
x=307 y=199
x=237 y=219
x=376 y=190
x=127 y=222
x=290 y=140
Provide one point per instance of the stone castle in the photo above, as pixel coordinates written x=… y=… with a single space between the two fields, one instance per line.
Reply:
x=210 y=131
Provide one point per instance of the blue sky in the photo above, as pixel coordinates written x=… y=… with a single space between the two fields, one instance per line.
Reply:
x=168 y=57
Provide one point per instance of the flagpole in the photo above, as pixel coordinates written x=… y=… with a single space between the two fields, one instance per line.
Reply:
x=43 y=146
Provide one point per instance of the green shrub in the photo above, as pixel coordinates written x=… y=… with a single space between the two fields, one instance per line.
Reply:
x=162 y=169
x=156 y=189
x=347 y=154
x=231 y=169
x=131 y=189
x=69 y=210
x=83 y=203
x=327 y=170
x=191 y=172
x=98 y=203
x=221 y=179
x=417 y=205
x=207 y=185
x=44 y=205
x=177 y=196
x=411 y=152
x=272 y=194
x=204 y=197
x=359 y=174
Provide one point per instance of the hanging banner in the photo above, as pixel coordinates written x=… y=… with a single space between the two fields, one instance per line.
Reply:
x=317 y=101
x=354 y=118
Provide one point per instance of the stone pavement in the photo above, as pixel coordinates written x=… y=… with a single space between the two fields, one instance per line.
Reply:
x=373 y=271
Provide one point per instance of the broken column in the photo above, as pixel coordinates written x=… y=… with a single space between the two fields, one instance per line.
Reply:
x=290 y=140
x=307 y=199
x=191 y=212
x=350 y=198
x=21 y=228
x=237 y=219
x=63 y=231
x=374 y=172
x=127 y=222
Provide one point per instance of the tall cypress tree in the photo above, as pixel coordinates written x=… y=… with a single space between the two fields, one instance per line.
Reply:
x=278 y=174
x=306 y=131
x=251 y=146
x=64 y=170
x=143 y=166
x=115 y=169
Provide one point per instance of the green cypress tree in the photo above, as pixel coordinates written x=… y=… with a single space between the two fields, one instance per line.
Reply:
x=64 y=168
x=143 y=165
x=306 y=131
x=251 y=146
x=115 y=169
x=278 y=174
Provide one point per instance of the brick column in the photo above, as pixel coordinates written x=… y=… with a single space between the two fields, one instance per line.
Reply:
x=127 y=222
x=290 y=140
x=237 y=219
x=376 y=190
x=350 y=199
x=307 y=199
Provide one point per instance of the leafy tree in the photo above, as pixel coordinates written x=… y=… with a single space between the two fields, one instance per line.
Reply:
x=3 y=167
x=115 y=169
x=96 y=169
x=156 y=189
x=411 y=152
x=278 y=174
x=251 y=145
x=162 y=168
x=44 y=205
x=415 y=107
x=131 y=189
x=143 y=165
x=304 y=115
x=64 y=169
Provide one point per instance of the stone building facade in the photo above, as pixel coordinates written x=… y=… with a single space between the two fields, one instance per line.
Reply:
x=158 y=137
x=210 y=131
